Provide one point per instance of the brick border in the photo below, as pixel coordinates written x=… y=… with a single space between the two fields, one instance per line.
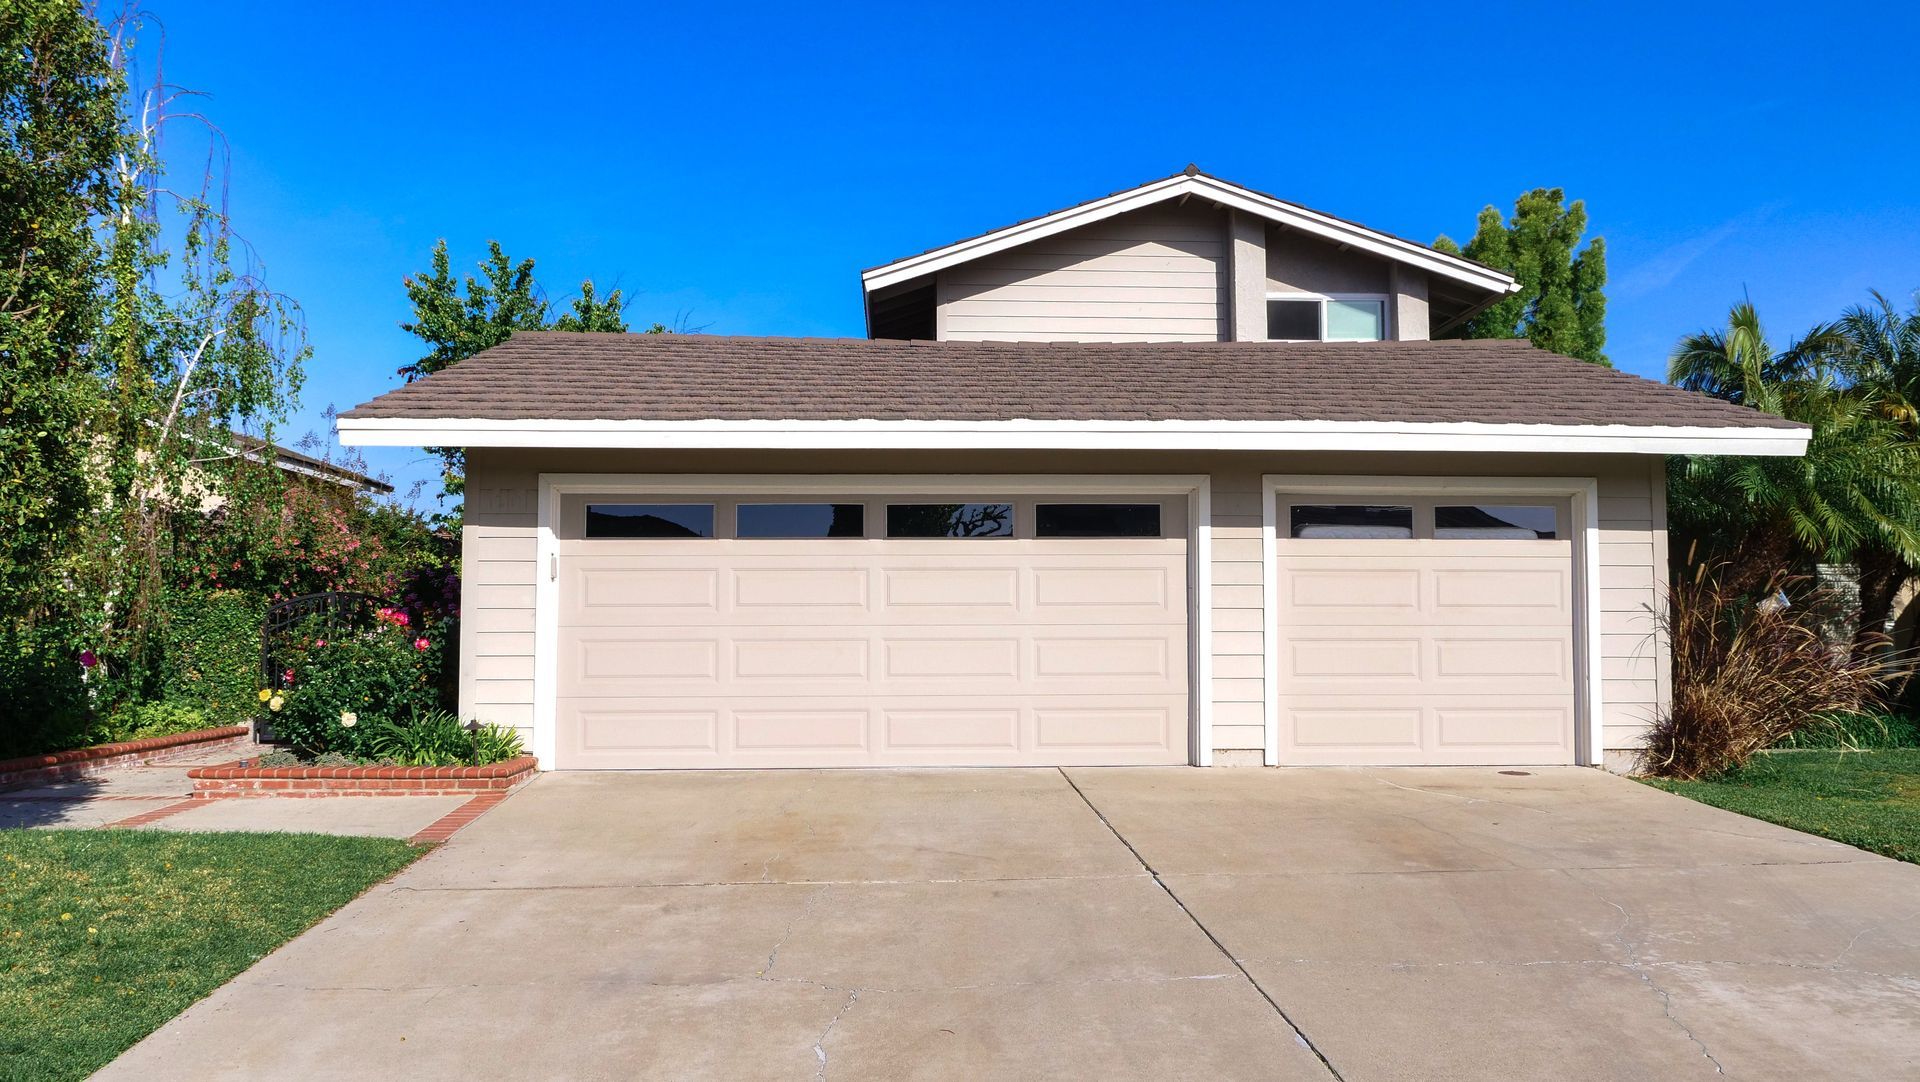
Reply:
x=34 y=770
x=146 y=817
x=238 y=780
x=447 y=825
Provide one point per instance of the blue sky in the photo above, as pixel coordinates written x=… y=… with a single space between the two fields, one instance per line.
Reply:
x=734 y=165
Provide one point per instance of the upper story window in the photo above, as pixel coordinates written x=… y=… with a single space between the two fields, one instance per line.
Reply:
x=1302 y=317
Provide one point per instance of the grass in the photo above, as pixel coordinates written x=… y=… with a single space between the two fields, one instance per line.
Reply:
x=1869 y=799
x=106 y=934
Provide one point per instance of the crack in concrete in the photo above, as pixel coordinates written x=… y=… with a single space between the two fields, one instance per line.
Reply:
x=806 y=910
x=1641 y=969
x=1299 y=1035
x=1874 y=927
x=820 y=1043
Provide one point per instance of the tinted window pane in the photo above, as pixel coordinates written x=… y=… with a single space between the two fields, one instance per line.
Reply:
x=1355 y=321
x=1293 y=321
x=1097 y=520
x=649 y=520
x=950 y=520
x=802 y=520
x=1496 y=521
x=1352 y=520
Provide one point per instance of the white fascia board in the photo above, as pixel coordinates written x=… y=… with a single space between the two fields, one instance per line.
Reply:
x=1072 y=435
x=1229 y=195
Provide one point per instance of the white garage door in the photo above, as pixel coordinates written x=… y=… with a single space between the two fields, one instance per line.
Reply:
x=809 y=631
x=1425 y=631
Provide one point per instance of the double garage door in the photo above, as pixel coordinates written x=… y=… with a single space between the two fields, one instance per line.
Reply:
x=863 y=631
x=727 y=631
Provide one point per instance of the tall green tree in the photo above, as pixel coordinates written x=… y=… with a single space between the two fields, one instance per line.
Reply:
x=458 y=318
x=59 y=129
x=1855 y=493
x=1562 y=304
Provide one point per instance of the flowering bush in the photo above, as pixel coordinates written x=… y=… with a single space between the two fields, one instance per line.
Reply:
x=338 y=681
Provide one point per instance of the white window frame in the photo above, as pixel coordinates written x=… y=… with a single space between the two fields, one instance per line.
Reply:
x=1386 y=313
x=1196 y=489
x=1581 y=493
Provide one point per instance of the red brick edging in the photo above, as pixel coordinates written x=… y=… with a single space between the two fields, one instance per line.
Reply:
x=58 y=766
x=153 y=816
x=235 y=780
x=444 y=827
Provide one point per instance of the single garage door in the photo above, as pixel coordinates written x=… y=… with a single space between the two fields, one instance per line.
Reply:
x=1425 y=631
x=901 y=630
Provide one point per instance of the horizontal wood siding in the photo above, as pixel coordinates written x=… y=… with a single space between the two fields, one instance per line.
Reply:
x=1155 y=275
x=498 y=546
x=1632 y=669
x=1239 y=615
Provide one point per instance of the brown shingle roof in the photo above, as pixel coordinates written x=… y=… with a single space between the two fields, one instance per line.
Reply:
x=552 y=375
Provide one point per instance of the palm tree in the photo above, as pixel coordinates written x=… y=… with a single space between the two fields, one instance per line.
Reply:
x=1856 y=491
x=1879 y=356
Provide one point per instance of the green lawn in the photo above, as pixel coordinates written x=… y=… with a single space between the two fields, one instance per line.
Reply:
x=1869 y=799
x=106 y=934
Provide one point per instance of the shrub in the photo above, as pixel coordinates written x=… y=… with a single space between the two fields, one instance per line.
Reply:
x=43 y=699
x=213 y=653
x=136 y=721
x=1747 y=674
x=345 y=681
x=436 y=738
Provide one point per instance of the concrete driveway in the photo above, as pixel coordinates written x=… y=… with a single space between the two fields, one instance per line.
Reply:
x=1121 y=923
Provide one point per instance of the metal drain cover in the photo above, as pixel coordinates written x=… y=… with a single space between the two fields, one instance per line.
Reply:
x=1518 y=773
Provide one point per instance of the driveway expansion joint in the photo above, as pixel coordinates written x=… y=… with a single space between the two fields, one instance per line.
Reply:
x=1299 y=1035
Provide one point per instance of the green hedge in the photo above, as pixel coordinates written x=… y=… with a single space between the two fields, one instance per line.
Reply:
x=213 y=654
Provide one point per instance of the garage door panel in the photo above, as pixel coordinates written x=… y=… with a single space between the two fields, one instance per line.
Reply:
x=1319 y=723
x=1543 y=723
x=808 y=588
x=819 y=730
x=945 y=657
x=1500 y=661
x=1345 y=654
x=1353 y=590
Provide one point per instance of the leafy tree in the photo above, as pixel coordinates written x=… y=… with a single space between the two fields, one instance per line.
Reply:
x=59 y=128
x=1561 y=305
x=1878 y=353
x=1857 y=490
x=504 y=299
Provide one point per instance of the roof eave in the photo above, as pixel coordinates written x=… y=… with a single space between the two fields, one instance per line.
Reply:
x=1097 y=435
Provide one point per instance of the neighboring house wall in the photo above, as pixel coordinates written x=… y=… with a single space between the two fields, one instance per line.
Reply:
x=497 y=604
x=1155 y=275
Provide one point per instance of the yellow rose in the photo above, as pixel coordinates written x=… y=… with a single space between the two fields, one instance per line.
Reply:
x=265 y=695
x=274 y=704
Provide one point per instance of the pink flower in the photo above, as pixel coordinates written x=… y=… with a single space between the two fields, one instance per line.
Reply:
x=88 y=659
x=421 y=644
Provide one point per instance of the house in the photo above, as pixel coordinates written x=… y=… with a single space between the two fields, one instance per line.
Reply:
x=1178 y=475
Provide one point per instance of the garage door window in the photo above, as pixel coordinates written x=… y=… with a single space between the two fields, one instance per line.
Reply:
x=1494 y=522
x=798 y=520
x=961 y=520
x=649 y=520
x=1352 y=521
x=1096 y=520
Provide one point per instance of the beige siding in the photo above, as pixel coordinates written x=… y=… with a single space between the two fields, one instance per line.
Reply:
x=1632 y=572
x=497 y=650
x=1155 y=275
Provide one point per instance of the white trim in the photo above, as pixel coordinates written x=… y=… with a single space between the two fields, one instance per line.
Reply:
x=1115 y=435
x=1380 y=299
x=1228 y=195
x=1198 y=488
x=1584 y=494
